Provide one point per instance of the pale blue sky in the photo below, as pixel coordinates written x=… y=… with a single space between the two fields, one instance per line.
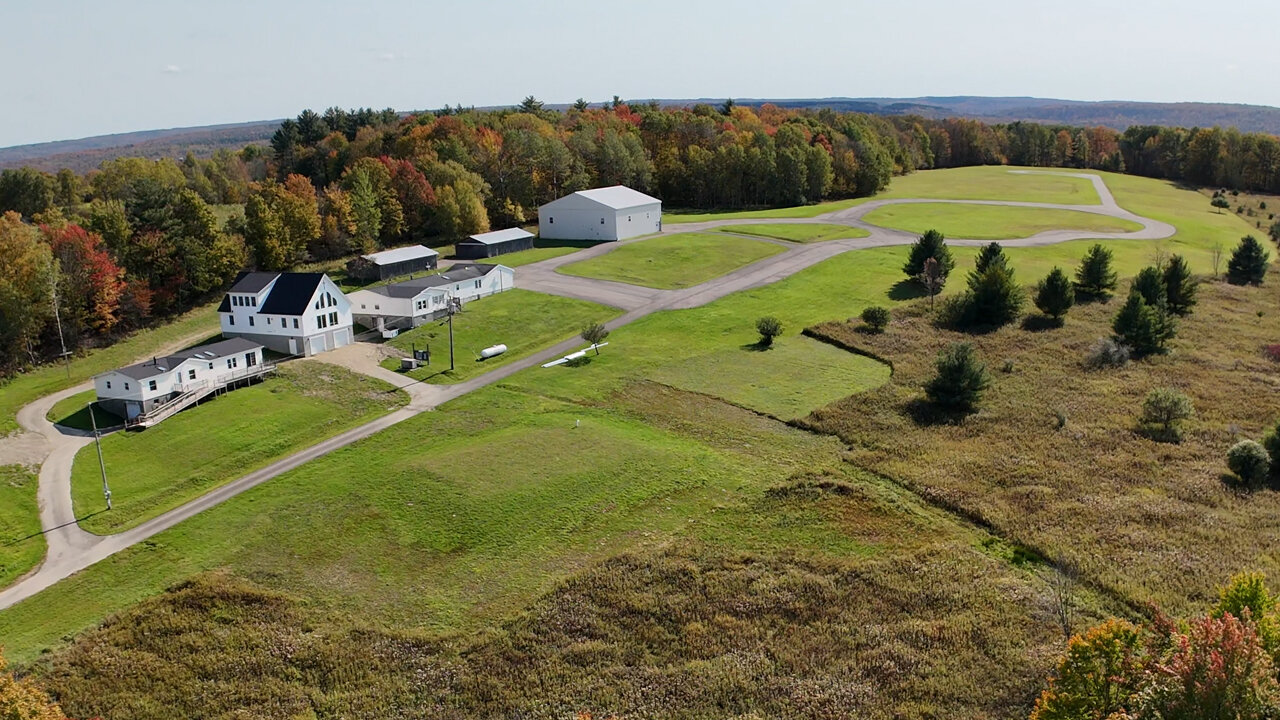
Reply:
x=74 y=68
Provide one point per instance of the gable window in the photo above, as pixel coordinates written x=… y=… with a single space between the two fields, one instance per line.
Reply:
x=628 y=218
x=320 y=321
x=126 y=386
x=552 y=221
x=191 y=374
x=108 y=384
x=601 y=221
x=151 y=385
x=333 y=318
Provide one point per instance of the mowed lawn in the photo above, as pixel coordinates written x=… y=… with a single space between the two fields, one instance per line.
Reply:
x=523 y=320
x=524 y=257
x=990 y=222
x=21 y=544
x=158 y=469
x=798 y=232
x=73 y=412
x=670 y=262
x=185 y=331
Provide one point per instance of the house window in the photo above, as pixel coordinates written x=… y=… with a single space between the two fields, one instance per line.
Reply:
x=254 y=301
x=231 y=319
x=284 y=322
x=231 y=362
x=628 y=218
x=250 y=321
x=235 y=300
x=126 y=386
x=268 y=320
x=295 y=323
x=477 y=284
x=191 y=374
x=551 y=221
x=601 y=221
x=333 y=318
x=210 y=366
x=361 y=306
x=250 y=359
x=151 y=385
x=108 y=384
x=320 y=321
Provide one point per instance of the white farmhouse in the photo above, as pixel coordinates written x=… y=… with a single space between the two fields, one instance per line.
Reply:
x=293 y=313
x=411 y=303
x=148 y=392
x=611 y=213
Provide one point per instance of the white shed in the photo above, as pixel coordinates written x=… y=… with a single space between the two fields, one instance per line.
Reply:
x=611 y=213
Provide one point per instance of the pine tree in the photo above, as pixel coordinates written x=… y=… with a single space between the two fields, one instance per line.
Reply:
x=1141 y=326
x=995 y=298
x=960 y=379
x=1095 y=276
x=1054 y=294
x=1149 y=283
x=929 y=245
x=1248 y=263
x=989 y=254
x=1180 y=286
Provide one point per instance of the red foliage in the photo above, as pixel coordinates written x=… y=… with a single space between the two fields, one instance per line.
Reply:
x=92 y=283
x=1272 y=351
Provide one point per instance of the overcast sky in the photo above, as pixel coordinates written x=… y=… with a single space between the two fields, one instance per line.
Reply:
x=75 y=68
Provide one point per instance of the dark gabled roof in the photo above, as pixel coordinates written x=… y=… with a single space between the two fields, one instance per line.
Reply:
x=457 y=273
x=252 y=282
x=212 y=351
x=291 y=294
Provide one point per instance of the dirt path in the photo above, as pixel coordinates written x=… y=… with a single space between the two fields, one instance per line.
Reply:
x=71 y=549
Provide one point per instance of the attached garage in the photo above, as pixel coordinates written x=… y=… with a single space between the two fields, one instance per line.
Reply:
x=606 y=214
x=493 y=244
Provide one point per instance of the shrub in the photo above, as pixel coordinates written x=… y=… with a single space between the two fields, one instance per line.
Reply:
x=1095 y=277
x=1248 y=263
x=1054 y=294
x=876 y=318
x=930 y=245
x=1247 y=592
x=1248 y=460
x=1142 y=327
x=1107 y=353
x=1220 y=203
x=1163 y=410
x=960 y=380
x=1272 y=352
x=769 y=328
x=1180 y=285
x=1271 y=443
x=595 y=333
x=1274 y=232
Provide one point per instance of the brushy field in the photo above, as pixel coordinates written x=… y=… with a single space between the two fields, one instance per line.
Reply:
x=674 y=261
x=222 y=439
x=190 y=329
x=21 y=544
x=798 y=232
x=990 y=222
x=523 y=320
x=1056 y=461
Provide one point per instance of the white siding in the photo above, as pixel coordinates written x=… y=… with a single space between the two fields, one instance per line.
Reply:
x=585 y=219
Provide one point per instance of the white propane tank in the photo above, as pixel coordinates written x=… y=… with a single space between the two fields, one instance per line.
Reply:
x=492 y=350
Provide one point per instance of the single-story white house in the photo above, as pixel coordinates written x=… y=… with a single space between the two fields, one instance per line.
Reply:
x=611 y=213
x=393 y=263
x=150 y=391
x=492 y=244
x=292 y=313
x=411 y=303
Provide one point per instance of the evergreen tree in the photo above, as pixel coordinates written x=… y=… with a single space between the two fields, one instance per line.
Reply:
x=929 y=245
x=1095 y=276
x=1179 y=286
x=960 y=380
x=1054 y=294
x=1248 y=263
x=1149 y=283
x=995 y=298
x=989 y=254
x=1141 y=326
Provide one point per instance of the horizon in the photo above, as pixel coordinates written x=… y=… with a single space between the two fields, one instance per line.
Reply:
x=196 y=69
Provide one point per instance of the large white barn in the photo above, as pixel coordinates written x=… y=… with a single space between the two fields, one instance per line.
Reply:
x=610 y=213
x=293 y=313
x=411 y=303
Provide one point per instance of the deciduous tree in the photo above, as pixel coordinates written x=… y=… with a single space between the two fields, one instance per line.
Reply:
x=26 y=286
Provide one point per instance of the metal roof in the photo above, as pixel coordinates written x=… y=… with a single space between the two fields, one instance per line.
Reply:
x=618 y=197
x=500 y=236
x=459 y=272
x=401 y=254
x=161 y=365
x=291 y=295
x=252 y=282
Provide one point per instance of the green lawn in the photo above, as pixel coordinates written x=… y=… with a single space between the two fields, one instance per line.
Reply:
x=537 y=254
x=21 y=544
x=994 y=182
x=158 y=469
x=674 y=261
x=798 y=232
x=990 y=222
x=73 y=412
x=188 y=329
x=523 y=320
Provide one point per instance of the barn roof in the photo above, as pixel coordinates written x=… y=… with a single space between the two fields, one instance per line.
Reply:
x=618 y=197
x=499 y=236
x=401 y=254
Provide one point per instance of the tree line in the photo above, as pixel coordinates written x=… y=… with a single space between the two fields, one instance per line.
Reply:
x=140 y=239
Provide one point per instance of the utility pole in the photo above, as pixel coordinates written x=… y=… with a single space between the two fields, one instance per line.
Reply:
x=57 y=317
x=451 y=334
x=102 y=466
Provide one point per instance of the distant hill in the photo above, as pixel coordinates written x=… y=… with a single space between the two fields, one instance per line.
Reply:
x=87 y=153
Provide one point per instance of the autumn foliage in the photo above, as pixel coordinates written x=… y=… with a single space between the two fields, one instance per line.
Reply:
x=24 y=700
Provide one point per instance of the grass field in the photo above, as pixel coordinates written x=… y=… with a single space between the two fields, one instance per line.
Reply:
x=523 y=320
x=189 y=329
x=798 y=232
x=674 y=261
x=21 y=544
x=222 y=439
x=990 y=222
x=537 y=254
x=599 y=538
x=799 y=211
x=73 y=412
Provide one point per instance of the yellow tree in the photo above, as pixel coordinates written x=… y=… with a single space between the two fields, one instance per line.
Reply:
x=24 y=700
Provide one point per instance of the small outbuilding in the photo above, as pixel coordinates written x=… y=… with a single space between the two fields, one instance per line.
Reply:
x=387 y=264
x=411 y=303
x=493 y=244
x=610 y=213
